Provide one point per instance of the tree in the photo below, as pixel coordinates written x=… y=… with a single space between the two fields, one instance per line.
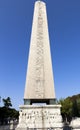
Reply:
x=78 y=105
x=75 y=111
x=7 y=114
x=70 y=107
x=66 y=109
x=7 y=102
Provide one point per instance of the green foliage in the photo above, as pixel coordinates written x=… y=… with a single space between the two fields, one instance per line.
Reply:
x=7 y=102
x=75 y=112
x=8 y=114
x=67 y=107
x=70 y=107
x=78 y=105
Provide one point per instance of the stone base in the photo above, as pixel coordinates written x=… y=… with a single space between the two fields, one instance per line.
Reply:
x=75 y=124
x=40 y=117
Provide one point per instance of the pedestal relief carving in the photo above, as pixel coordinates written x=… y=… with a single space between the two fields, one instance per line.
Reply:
x=47 y=116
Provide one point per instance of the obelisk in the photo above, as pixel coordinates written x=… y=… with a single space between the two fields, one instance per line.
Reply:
x=39 y=80
x=39 y=87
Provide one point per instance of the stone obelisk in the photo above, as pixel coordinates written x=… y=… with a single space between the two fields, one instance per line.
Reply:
x=39 y=81
x=39 y=87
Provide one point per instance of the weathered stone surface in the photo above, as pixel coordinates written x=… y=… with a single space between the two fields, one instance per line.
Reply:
x=75 y=124
x=35 y=116
x=39 y=80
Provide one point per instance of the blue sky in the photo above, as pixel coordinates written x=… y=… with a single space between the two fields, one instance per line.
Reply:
x=15 y=29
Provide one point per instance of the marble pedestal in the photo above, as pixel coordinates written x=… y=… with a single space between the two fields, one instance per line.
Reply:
x=40 y=117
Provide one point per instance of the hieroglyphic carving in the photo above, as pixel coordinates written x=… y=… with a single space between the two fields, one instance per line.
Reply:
x=39 y=57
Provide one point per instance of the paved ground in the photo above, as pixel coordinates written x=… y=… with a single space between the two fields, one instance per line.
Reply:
x=67 y=128
x=7 y=127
